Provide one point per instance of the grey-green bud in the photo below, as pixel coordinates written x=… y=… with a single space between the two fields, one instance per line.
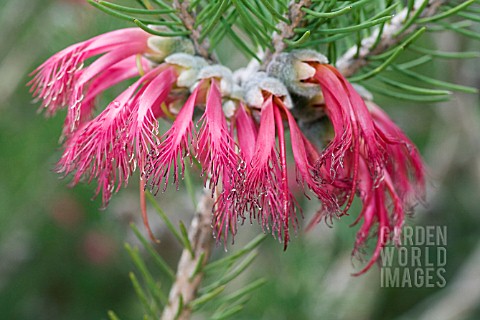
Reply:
x=293 y=68
x=189 y=67
x=220 y=72
x=261 y=82
x=161 y=47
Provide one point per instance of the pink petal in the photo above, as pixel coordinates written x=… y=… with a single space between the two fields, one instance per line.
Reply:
x=54 y=80
x=266 y=184
x=117 y=73
x=142 y=124
x=215 y=146
x=246 y=132
x=174 y=146
x=98 y=151
x=305 y=169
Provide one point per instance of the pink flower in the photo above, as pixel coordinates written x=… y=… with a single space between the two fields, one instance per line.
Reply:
x=354 y=130
x=368 y=155
x=403 y=184
x=123 y=70
x=61 y=80
x=175 y=144
x=213 y=146
x=265 y=193
x=109 y=147
x=266 y=183
x=142 y=127
x=228 y=208
x=242 y=150
x=407 y=170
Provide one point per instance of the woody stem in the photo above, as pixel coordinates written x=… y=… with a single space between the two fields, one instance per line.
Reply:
x=188 y=279
x=188 y=19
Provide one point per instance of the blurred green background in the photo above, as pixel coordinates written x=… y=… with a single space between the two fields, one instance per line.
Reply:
x=63 y=258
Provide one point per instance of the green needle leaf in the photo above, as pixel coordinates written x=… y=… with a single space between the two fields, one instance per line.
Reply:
x=164 y=217
x=405 y=96
x=333 y=14
x=259 y=15
x=206 y=13
x=414 y=89
x=447 y=13
x=197 y=303
x=300 y=41
x=233 y=274
x=235 y=256
x=361 y=26
x=162 y=4
x=273 y=11
x=468 y=33
x=240 y=43
x=415 y=62
x=198 y=267
x=190 y=187
x=144 y=27
x=156 y=257
x=179 y=308
x=134 y=10
x=472 y=17
x=413 y=19
x=251 y=26
x=446 y=55
x=122 y=16
x=215 y=19
x=112 y=315
x=244 y=291
x=435 y=82
x=185 y=239
x=153 y=287
x=228 y=313
x=142 y=296
x=328 y=15
x=390 y=59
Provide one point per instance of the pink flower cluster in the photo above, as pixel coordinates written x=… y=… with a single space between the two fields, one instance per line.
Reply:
x=239 y=139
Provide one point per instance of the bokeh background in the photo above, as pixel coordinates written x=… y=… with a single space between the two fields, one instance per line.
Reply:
x=63 y=258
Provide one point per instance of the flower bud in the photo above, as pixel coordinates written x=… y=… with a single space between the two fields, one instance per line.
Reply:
x=259 y=83
x=242 y=75
x=188 y=66
x=237 y=92
x=220 y=72
x=293 y=69
x=161 y=47
x=229 y=108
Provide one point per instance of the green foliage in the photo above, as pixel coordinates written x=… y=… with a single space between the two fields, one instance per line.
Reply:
x=400 y=82
x=218 y=276
x=331 y=27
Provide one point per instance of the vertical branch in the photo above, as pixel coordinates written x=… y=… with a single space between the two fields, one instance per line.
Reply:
x=188 y=20
x=287 y=30
x=186 y=283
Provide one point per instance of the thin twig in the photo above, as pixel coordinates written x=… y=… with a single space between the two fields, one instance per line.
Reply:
x=355 y=59
x=185 y=287
x=295 y=15
x=188 y=20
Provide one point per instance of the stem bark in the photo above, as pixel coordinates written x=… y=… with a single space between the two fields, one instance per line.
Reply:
x=184 y=289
